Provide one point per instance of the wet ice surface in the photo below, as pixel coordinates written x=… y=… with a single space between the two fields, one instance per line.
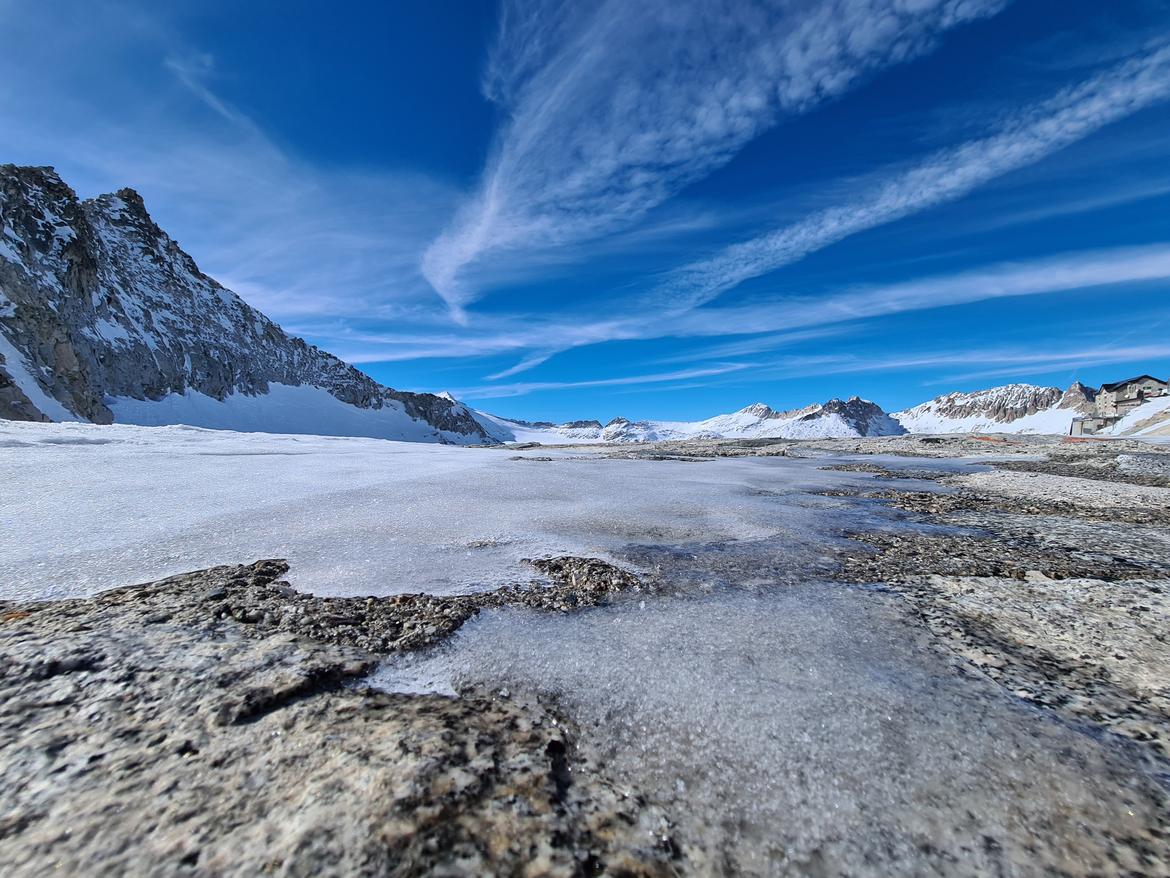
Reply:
x=809 y=729
x=85 y=508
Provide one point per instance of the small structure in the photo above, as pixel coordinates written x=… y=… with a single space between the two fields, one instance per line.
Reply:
x=1114 y=401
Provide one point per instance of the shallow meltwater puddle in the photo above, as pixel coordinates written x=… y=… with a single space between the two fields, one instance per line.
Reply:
x=808 y=729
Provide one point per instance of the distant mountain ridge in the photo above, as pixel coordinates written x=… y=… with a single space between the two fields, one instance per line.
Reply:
x=103 y=317
x=1011 y=408
x=835 y=418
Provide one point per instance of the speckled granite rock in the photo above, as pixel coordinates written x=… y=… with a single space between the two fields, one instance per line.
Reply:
x=1054 y=583
x=1094 y=651
x=214 y=724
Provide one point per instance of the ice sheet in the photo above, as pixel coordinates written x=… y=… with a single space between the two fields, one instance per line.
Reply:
x=86 y=507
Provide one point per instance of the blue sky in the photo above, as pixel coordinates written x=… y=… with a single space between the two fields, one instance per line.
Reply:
x=665 y=209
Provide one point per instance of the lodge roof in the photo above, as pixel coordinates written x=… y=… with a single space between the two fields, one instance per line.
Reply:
x=1117 y=384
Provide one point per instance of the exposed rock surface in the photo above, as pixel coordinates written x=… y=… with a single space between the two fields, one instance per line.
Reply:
x=398 y=622
x=1054 y=585
x=1086 y=648
x=1082 y=492
x=1001 y=404
x=214 y=724
x=99 y=302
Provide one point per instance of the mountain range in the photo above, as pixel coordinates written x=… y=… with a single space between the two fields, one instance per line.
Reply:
x=104 y=318
x=1012 y=408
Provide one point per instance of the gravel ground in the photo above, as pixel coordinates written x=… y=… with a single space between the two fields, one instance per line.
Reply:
x=1079 y=492
x=1052 y=583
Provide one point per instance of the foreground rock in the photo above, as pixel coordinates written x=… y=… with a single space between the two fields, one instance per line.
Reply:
x=1052 y=578
x=1087 y=649
x=215 y=724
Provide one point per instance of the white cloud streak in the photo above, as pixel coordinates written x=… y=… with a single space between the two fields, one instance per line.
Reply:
x=1075 y=271
x=768 y=324
x=1001 y=362
x=499 y=391
x=948 y=175
x=615 y=106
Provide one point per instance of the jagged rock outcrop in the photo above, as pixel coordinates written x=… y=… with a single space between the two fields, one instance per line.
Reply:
x=866 y=417
x=1012 y=408
x=1008 y=403
x=1078 y=398
x=97 y=301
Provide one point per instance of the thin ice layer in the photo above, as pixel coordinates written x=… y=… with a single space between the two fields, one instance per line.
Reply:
x=813 y=730
x=85 y=508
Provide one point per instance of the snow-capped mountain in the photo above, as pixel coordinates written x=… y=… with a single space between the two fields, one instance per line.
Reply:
x=1012 y=408
x=833 y=419
x=104 y=318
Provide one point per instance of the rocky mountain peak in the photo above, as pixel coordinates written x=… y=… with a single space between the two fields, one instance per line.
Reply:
x=1079 y=398
x=1002 y=404
x=758 y=410
x=862 y=415
x=99 y=303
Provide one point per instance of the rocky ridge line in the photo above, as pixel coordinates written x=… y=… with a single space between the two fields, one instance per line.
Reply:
x=99 y=301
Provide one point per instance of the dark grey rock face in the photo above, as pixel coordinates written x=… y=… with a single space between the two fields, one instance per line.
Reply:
x=102 y=302
x=861 y=414
x=14 y=405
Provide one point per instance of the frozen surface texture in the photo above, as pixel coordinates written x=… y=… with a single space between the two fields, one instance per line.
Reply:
x=816 y=730
x=86 y=508
x=769 y=721
x=158 y=730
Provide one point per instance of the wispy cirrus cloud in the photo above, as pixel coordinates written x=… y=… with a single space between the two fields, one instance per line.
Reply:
x=997 y=362
x=1061 y=273
x=765 y=324
x=500 y=391
x=130 y=102
x=615 y=106
x=1024 y=138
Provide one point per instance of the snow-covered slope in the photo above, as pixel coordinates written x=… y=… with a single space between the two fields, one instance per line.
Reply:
x=836 y=418
x=1149 y=420
x=103 y=317
x=1012 y=408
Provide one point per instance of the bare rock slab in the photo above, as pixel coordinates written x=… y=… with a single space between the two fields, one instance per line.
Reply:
x=150 y=731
